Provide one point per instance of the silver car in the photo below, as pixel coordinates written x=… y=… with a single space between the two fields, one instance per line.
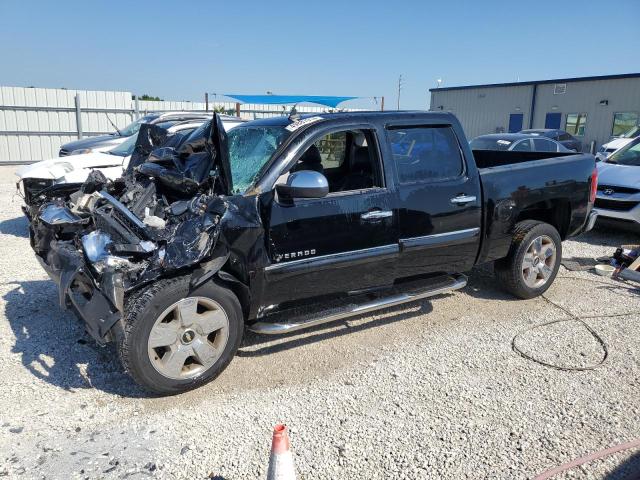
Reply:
x=618 y=194
x=517 y=142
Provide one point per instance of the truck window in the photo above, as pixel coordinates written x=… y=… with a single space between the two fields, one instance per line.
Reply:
x=332 y=148
x=425 y=153
x=346 y=158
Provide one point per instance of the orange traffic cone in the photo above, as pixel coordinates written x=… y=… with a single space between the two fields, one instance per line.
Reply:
x=281 y=459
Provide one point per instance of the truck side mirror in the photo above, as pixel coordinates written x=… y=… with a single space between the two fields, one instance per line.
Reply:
x=304 y=184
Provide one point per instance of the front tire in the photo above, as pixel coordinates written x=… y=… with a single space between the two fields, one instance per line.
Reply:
x=177 y=338
x=533 y=260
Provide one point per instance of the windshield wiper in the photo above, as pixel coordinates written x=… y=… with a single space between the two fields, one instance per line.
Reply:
x=114 y=125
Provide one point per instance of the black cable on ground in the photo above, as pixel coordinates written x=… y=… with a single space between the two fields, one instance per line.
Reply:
x=515 y=348
x=572 y=318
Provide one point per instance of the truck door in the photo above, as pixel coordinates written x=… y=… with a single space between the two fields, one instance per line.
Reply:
x=439 y=200
x=344 y=242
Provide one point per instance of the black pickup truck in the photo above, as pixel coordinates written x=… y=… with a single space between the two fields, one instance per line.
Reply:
x=289 y=222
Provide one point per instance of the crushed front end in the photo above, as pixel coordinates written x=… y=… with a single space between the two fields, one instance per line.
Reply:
x=110 y=238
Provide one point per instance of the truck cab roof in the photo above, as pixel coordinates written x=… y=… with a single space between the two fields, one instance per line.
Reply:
x=364 y=115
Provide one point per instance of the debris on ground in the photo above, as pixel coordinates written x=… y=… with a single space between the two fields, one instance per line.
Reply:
x=626 y=262
x=578 y=264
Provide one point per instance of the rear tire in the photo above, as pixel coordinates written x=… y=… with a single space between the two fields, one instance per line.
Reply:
x=533 y=260
x=177 y=338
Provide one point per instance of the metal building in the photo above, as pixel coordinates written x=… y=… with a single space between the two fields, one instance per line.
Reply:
x=590 y=108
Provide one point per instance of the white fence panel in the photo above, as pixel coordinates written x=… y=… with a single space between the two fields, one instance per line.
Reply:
x=35 y=122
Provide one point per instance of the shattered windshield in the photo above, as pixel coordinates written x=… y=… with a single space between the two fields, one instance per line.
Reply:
x=249 y=150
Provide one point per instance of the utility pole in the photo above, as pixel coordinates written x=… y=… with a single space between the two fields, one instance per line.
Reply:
x=399 y=89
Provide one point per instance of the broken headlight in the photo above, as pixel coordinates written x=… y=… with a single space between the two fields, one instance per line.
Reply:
x=96 y=249
x=95 y=245
x=111 y=262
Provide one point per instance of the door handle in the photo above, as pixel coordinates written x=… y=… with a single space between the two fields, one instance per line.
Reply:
x=463 y=199
x=376 y=215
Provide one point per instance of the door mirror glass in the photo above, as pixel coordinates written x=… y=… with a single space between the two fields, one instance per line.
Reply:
x=304 y=184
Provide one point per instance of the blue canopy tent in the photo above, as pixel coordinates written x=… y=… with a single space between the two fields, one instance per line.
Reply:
x=332 y=102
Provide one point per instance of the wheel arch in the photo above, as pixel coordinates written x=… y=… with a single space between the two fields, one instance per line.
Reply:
x=213 y=272
x=555 y=212
x=239 y=289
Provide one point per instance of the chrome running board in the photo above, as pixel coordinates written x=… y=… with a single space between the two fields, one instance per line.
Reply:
x=299 y=322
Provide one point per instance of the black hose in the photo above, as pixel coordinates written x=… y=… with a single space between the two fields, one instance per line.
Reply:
x=572 y=318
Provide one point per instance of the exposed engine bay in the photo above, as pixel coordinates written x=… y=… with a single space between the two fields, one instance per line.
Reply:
x=163 y=215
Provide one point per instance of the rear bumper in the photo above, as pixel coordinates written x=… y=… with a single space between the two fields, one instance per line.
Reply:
x=591 y=220
x=77 y=289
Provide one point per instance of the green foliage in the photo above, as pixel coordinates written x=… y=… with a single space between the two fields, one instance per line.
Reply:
x=224 y=111
x=148 y=97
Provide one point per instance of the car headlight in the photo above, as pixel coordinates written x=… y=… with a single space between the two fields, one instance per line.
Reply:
x=80 y=151
x=95 y=245
x=110 y=262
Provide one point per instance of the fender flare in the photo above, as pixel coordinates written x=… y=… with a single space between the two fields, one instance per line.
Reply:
x=212 y=271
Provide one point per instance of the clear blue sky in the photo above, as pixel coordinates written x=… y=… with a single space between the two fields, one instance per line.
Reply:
x=178 y=50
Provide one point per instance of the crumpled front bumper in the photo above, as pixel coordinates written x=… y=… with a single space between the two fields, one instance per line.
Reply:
x=78 y=290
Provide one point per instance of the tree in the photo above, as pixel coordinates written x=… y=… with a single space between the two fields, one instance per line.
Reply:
x=223 y=111
x=148 y=97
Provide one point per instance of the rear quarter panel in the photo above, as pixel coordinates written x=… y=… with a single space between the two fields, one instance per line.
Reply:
x=509 y=190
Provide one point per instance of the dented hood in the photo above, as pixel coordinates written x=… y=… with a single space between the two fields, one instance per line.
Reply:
x=59 y=167
x=184 y=163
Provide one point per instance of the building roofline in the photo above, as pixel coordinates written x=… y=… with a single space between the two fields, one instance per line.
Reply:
x=539 y=82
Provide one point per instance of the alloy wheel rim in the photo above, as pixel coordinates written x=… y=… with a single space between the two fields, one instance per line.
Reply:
x=539 y=261
x=188 y=338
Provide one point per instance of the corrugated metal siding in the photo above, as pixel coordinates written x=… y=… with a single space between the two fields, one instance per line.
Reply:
x=622 y=95
x=34 y=122
x=482 y=110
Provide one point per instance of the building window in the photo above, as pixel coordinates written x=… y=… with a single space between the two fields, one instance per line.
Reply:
x=575 y=123
x=623 y=122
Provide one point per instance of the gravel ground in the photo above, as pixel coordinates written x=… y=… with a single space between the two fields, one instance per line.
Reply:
x=431 y=390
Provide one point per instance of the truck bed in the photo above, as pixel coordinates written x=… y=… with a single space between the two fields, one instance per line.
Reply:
x=496 y=158
x=530 y=185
